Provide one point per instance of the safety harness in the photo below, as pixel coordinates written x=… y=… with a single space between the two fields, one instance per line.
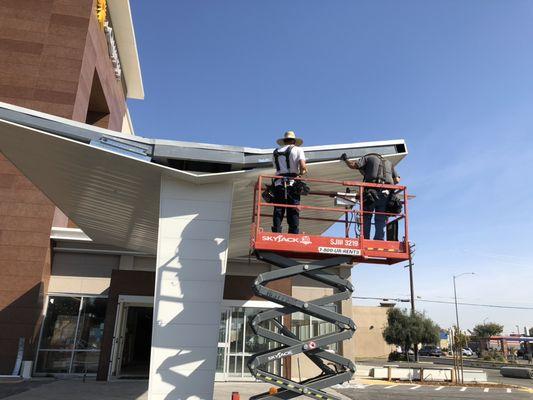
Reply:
x=380 y=178
x=286 y=153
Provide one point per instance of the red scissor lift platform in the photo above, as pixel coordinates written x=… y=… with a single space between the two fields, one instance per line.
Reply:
x=351 y=243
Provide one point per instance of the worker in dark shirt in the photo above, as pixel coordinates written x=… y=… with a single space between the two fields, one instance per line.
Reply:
x=375 y=169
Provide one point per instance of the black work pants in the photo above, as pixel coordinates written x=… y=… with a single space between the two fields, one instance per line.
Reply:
x=291 y=197
x=378 y=204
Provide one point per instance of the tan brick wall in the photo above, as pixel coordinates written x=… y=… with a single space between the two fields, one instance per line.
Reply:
x=49 y=50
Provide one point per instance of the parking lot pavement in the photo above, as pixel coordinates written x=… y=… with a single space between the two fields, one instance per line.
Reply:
x=137 y=390
x=410 y=392
x=493 y=375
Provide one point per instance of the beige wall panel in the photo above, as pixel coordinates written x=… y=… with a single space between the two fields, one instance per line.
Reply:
x=78 y=285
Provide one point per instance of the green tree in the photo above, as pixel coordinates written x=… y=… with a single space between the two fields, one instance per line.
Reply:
x=459 y=338
x=487 y=330
x=406 y=329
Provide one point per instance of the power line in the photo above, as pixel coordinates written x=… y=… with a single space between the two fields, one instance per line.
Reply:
x=447 y=302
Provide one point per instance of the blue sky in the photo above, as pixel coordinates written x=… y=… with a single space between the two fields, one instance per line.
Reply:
x=453 y=78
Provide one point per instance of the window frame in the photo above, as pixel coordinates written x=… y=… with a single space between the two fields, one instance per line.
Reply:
x=72 y=350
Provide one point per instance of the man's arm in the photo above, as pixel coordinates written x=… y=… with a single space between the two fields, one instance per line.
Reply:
x=303 y=167
x=395 y=176
x=302 y=164
x=351 y=164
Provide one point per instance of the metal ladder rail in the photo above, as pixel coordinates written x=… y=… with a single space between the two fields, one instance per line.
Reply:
x=290 y=344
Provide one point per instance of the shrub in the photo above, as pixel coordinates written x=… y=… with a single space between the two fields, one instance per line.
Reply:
x=395 y=356
x=493 y=355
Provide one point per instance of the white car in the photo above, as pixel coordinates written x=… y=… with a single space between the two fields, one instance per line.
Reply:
x=468 y=352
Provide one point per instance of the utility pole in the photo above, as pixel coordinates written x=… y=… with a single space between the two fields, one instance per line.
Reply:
x=412 y=289
x=458 y=344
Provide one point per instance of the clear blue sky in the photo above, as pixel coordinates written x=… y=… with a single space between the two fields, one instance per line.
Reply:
x=453 y=78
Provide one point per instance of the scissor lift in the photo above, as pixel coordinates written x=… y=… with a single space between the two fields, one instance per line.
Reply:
x=311 y=255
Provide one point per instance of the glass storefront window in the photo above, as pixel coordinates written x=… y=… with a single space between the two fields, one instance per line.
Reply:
x=91 y=325
x=306 y=327
x=59 y=329
x=236 y=331
x=57 y=362
x=254 y=343
x=71 y=335
x=237 y=343
x=85 y=362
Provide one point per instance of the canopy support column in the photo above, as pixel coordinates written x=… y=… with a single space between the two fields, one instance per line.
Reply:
x=192 y=249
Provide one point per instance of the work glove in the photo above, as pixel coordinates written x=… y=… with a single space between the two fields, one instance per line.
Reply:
x=344 y=157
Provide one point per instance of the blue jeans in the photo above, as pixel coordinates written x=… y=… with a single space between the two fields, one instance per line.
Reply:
x=293 y=215
x=380 y=205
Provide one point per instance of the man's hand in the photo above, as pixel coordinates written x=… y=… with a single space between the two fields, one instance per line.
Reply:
x=350 y=164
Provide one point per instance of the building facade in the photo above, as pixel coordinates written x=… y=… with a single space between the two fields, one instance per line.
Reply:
x=60 y=58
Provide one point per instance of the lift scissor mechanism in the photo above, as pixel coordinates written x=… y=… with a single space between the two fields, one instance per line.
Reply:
x=311 y=256
x=337 y=369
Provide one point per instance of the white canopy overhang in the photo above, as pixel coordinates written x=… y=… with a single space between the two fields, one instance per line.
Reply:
x=114 y=198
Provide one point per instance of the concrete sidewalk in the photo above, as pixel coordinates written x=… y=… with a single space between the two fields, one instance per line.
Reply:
x=79 y=390
x=118 y=390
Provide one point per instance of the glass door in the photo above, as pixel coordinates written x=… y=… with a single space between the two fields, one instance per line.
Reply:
x=237 y=343
x=223 y=345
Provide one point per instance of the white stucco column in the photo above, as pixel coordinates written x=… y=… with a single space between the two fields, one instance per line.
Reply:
x=194 y=224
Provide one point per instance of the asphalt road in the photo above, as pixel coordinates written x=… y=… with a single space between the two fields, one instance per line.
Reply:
x=410 y=392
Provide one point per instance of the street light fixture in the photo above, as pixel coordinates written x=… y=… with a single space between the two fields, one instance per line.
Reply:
x=457 y=345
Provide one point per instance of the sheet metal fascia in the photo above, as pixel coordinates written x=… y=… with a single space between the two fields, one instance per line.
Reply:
x=175 y=173
x=65 y=127
x=173 y=151
x=261 y=151
x=326 y=154
x=263 y=158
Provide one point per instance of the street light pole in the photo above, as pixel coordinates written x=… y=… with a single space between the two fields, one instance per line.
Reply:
x=457 y=338
x=412 y=290
x=458 y=345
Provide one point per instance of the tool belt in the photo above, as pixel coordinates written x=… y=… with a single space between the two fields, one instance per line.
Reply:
x=394 y=203
x=297 y=186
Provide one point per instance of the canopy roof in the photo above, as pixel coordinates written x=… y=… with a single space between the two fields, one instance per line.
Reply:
x=108 y=183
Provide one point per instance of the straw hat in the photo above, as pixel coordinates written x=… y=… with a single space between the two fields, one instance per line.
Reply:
x=290 y=135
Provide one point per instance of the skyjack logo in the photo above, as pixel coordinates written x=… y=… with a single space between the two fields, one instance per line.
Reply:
x=279 y=355
x=305 y=240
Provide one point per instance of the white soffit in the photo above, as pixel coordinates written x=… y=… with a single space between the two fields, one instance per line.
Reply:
x=120 y=12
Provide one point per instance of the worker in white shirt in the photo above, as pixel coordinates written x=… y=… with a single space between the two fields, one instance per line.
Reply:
x=289 y=160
